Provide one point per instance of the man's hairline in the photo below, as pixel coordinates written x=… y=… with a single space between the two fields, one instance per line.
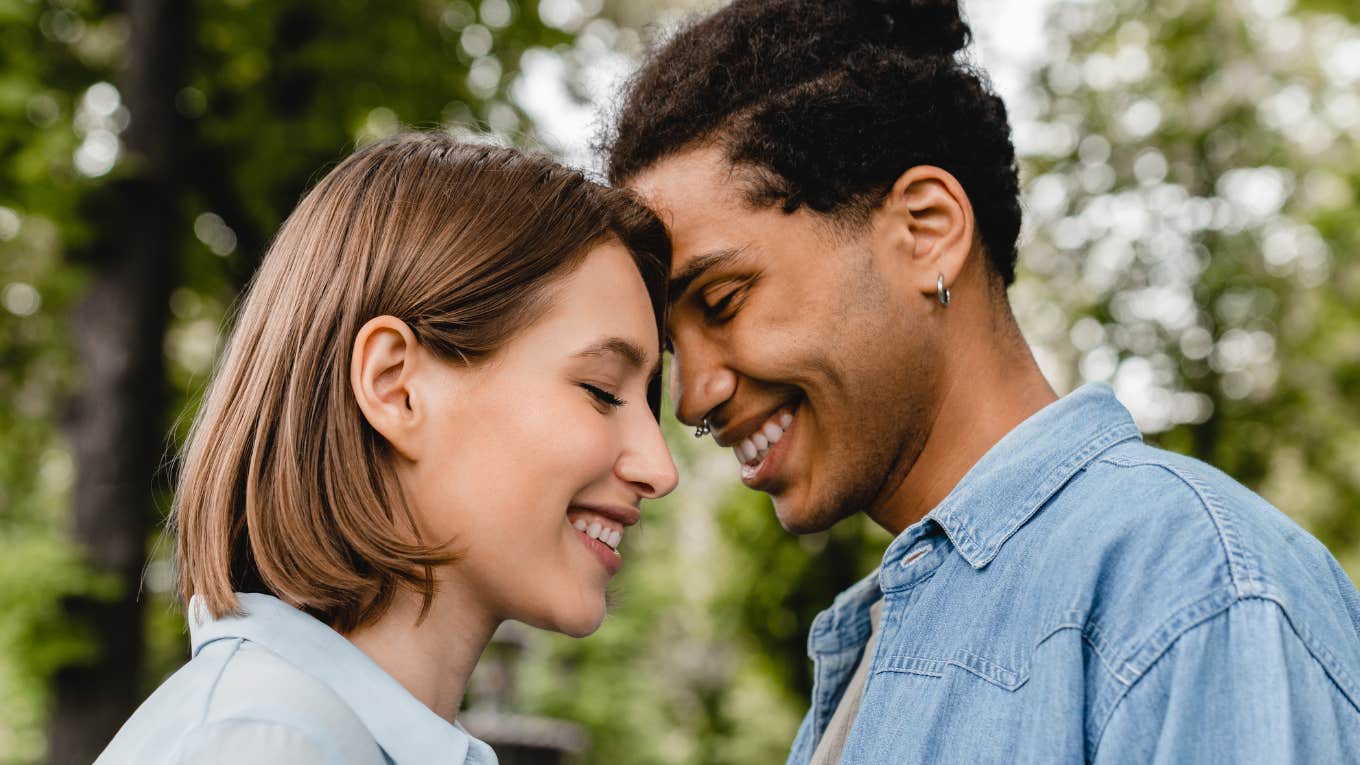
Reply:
x=845 y=222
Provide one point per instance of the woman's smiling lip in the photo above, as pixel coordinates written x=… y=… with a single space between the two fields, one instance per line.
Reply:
x=624 y=514
x=605 y=554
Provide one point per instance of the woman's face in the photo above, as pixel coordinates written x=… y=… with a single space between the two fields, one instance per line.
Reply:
x=534 y=462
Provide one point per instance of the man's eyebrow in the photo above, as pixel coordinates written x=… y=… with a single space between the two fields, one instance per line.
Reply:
x=629 y=351
x=698 y=266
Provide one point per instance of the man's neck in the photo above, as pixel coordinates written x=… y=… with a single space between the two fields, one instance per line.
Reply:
x=985 y=395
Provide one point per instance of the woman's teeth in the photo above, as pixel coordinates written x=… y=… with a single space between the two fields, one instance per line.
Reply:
x=596 y=530
x=752 y=449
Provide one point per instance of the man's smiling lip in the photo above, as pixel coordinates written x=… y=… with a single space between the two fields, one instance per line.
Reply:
x=730 y=435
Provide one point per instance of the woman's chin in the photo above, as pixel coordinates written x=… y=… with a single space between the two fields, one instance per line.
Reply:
x=577 y=622
x=582 y=624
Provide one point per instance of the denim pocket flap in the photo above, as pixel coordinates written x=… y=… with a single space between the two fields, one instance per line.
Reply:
x=992 y=672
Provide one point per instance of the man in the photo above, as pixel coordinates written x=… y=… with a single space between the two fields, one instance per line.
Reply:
x=842 y=196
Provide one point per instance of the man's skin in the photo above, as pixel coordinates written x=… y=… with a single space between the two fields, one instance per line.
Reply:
x=897 y=395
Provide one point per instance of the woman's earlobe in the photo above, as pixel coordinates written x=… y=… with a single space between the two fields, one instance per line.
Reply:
x=382 y=367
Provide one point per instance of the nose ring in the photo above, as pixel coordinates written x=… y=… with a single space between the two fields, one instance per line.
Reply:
x=703 y=429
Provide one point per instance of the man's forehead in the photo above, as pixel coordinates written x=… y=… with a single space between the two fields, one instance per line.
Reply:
x=695 y=194
x=690 y=174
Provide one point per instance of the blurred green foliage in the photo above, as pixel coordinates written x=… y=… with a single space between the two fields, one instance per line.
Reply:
x=1191 y=176
x=1191 y=194
x=273 y=93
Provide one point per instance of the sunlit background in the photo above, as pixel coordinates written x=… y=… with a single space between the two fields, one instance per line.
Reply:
x=1190 y=171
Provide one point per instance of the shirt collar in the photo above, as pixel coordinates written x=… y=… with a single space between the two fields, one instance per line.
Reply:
x=1018 y=475
x=1007 y=487
x=406 y=729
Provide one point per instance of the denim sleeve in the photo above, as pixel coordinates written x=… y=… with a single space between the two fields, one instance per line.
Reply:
x=1241 y=687
x=234 y=741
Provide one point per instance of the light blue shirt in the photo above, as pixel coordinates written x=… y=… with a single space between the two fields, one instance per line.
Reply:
x=278 y=686
x=1082 y=596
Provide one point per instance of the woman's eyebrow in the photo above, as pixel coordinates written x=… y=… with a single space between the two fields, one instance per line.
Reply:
x=632 y=353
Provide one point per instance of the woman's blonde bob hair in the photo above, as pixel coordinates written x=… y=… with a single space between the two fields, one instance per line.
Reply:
x=284 y=487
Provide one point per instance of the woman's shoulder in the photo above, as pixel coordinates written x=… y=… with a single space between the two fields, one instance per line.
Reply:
x=237 y=701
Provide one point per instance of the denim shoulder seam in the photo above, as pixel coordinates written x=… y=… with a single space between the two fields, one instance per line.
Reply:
x=1142 y=659
x=1325 y=660
x=1240 y=570
x=1336 y=671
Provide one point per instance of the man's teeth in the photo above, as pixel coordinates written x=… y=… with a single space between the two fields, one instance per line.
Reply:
x=597 y=530
x=752 y=449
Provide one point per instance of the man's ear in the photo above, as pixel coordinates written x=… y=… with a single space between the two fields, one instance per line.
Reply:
x=384 y=361
x=926 y=223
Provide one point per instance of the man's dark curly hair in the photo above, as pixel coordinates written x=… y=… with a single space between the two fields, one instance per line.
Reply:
x=826 y=103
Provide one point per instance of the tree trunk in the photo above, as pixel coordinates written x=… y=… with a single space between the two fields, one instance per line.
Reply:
x=116 y=421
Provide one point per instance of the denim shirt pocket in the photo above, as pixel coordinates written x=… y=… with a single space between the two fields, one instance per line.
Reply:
x=990 y=670
x=914 y=643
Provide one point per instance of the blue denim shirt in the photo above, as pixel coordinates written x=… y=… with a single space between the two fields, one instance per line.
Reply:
x=277 y=686
x=1082 y=596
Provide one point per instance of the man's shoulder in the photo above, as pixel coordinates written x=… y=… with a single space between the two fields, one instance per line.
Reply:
x=1157 y=543
x=1181 y=508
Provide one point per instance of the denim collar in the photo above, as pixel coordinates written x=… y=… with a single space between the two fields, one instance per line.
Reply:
x=406 y=729
x=1017 y=476
x=998 y=495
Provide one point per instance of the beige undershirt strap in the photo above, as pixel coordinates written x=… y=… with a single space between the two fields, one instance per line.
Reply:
x=838 y=730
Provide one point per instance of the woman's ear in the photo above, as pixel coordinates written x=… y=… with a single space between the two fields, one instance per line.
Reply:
x=381 y=372
x=927 y=224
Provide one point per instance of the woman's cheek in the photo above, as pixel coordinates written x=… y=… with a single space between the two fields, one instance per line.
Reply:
x=584 y=439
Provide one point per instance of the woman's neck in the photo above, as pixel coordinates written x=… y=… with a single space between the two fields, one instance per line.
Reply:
x=432 y=659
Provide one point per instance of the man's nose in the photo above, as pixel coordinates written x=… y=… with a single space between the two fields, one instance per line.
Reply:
x=700 y=379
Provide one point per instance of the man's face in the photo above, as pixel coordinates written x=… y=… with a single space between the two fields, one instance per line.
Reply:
x=796 y=341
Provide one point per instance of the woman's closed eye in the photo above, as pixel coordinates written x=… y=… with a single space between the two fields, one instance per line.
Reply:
x=603 y=396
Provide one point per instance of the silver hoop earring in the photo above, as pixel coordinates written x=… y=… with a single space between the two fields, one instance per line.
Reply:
x=703 y=429
x=941 y=291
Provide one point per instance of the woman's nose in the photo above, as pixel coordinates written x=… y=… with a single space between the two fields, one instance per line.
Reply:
x=646 y=462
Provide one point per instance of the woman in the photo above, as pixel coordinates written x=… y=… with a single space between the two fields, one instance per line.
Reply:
x=437 y=412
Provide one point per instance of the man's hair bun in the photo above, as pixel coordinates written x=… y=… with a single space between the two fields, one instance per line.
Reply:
x=828 y=102
x=914 y=27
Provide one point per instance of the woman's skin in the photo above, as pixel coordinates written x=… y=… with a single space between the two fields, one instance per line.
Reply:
x=505 y=459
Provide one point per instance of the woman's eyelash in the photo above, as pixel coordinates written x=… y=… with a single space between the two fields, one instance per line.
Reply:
x=603 y=396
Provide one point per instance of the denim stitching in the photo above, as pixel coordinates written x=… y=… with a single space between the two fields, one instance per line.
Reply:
x=1090 y=635
x=1335 y=672
x=1054 y=481
x=982 y=668
x=1244 y=581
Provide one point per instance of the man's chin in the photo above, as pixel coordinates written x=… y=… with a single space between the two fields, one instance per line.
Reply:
x=800 y=518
